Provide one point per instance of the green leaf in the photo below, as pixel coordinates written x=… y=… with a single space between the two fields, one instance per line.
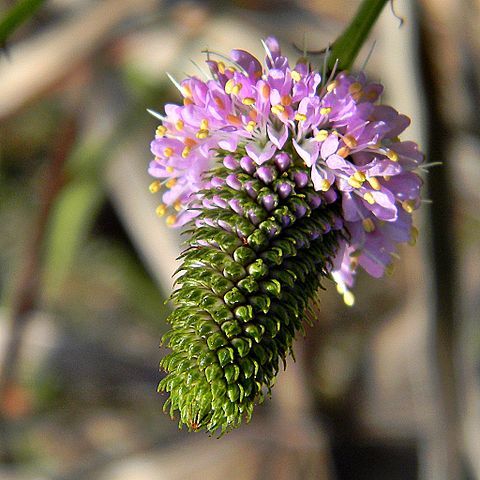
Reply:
x=70 y=222
x=346 y=47
x=22 y=11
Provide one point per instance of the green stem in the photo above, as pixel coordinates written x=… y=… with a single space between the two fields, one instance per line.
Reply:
x=345 y=49
x=17 y=15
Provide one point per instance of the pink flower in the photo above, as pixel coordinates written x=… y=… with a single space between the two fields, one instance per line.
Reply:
x=347 y=145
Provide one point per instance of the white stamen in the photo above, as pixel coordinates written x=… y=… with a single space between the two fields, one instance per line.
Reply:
x=156 y=115
x=180 y=89
x=372 y=48
x=208 y=75
x=267 y=51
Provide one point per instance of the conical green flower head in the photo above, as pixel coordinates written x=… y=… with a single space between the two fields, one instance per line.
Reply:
x=260 y=246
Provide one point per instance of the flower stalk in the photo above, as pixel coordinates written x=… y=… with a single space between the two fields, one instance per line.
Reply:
x=346 y=47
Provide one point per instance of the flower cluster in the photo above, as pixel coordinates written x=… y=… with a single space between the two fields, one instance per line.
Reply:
x=247 y=115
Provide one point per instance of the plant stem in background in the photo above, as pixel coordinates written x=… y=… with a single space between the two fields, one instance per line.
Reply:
x=345 y=49
x=15 y=16
x=444 y=314
x=27 y=290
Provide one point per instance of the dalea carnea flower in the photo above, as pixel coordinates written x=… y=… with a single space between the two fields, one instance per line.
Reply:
x=283 y=178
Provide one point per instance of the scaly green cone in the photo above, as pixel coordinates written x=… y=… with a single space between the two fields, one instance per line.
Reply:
x=256 y=255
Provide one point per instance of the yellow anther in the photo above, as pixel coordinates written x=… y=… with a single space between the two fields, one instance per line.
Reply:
x=368 y=225
x=161 y=210
x=201 y=134
x=179 y=125
x=408 y=205
x=265 y=91
x=413 y=236
x=286 y=100
x=349 y=298
x=369 y=198
x=374 y=183
x=187 y=101
x=340 y=289
x=171 y=183
x=248 y=101
x=160 y=131
x=350 y=142
x=390 y=269
x=204 y=124
x=154 y=187
x=177 y=205
x=343 y=152
x=392 y=155
x=231 y=69
x=353 y=182
x=170 y=169
x=387 y=178
x=185 y=152
x=171 y=220
x=321 y=135
x=325 y=185
x=229 y=86
x=355 y=87
x=221 y=67
x=278 y=109
x=301 y=117
x=250 y=126
x=325 y=110
x=331 y=86
x=360 y=176
x=236 y=88
x=295 y=76
x=168 y=152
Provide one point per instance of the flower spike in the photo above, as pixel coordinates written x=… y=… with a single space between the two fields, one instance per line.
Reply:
x=284 y=179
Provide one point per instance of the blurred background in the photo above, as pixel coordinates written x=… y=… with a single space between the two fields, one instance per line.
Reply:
x=388 y=389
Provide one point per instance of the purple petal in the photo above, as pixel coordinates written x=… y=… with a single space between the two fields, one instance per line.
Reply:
x=383 y=167
x=278 y=138
x=273 y=47
x=248 y=62
x=229 y=143
x=405 y=186
x=351 y=209
x=260 y=154
x=384 y=207
x=308 y=151
x=329 y=146
x=336 y=162
x=400 y=230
